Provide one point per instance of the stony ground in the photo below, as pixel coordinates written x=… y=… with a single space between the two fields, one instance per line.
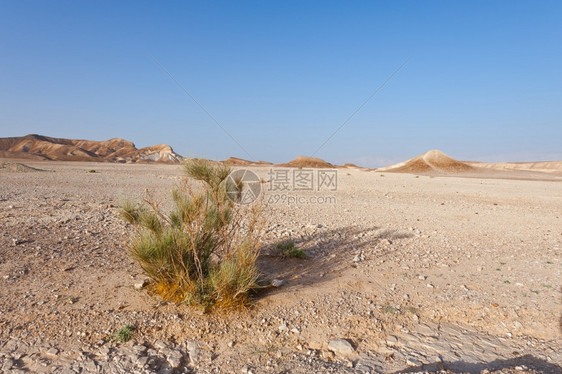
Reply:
x=404 y=274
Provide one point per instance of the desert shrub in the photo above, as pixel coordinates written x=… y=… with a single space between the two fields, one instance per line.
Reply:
x=204 y=251
x=123 y=335
x=289 y=249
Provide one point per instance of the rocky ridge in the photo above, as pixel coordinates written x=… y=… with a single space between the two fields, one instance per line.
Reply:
x=57 y=149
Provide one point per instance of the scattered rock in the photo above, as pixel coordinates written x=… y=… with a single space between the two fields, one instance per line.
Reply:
x=140 y=285
x=175 y=359
x=8 y=364
x=193 y=351
x=328 y=355
x=278 y=282
x=160 y=345
x=341 y=347
x=412 y=362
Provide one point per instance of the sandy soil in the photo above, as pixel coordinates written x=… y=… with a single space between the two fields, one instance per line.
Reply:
x=415 y=272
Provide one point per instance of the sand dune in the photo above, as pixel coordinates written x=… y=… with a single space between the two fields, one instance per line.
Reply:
x=432 y=161
x=112 y=150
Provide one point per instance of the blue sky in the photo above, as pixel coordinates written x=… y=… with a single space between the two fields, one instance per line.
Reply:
x=483 y=80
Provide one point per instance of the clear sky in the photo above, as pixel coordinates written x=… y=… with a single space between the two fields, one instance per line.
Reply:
x=483 y=80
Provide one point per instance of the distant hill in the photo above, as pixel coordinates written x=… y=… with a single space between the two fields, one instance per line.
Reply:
x=437 y=162
x=542 y=166
x=432 y=161
x=113 y=150
x=299 y=162
x=235 y=161
x=308 y=162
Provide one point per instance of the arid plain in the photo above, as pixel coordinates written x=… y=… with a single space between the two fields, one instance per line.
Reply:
x=416 y=272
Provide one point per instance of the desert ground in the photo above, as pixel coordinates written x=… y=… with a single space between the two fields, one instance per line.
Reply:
x=404 y=273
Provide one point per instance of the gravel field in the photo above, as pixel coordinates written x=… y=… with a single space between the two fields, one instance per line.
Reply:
x=403 y=273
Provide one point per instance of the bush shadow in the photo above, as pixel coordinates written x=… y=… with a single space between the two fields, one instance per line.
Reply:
x=329 y=253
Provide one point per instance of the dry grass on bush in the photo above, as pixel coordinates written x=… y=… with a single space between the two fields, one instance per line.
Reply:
x=204 y=251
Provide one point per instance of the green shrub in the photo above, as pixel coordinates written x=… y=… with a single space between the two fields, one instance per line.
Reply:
x=123 y=335
x=289 y=249
x=204 y=251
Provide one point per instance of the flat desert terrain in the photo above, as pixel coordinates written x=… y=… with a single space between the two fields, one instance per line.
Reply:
x=404 y=273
